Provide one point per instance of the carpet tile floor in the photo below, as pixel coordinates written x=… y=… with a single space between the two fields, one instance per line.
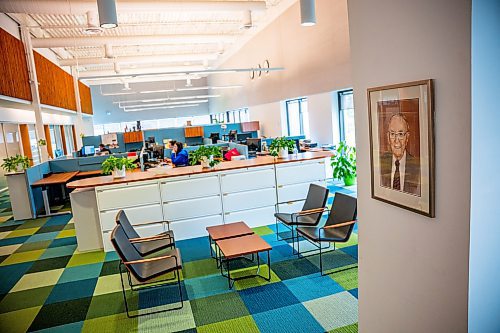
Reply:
x=46 y=285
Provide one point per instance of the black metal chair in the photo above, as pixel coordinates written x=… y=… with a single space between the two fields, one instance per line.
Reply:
x=145 y=245
x=310 y=215
x=145 y=269
x=337 y=229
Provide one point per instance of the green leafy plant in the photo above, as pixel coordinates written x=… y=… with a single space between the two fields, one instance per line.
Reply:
x=42 y=142
x=344 y=163
x=281 y=143
x=10 y=164
x=112 y=163
x=196 y=156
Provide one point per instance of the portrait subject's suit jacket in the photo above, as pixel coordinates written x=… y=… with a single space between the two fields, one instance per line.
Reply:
x=412 y=173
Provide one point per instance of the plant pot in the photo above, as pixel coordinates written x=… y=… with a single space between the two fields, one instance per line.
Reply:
x=283 y=153
x=205 y=161
x=349 y=181
x=19 y=167
x=119 y=173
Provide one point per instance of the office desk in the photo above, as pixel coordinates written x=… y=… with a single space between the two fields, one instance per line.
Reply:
x=54 y=179
x=89 y=173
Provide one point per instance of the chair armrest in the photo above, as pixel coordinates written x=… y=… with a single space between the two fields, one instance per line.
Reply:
x=340 y=225
x=142 y=261
x=149 y=239
x=308 y=212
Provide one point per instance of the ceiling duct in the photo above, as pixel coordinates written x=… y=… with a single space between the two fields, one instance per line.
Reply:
x=247 y=20
x=93 y=27
x=140 y=59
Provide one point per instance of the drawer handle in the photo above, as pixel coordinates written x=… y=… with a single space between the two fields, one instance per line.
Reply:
x=225 y=194
x=321 y=162
x=280 y=186
x=289 y=203
x=227 y=213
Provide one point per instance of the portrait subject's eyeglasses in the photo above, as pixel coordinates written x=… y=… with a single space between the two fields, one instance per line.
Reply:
x=398 y=135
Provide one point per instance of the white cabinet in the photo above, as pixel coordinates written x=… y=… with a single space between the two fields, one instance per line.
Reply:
x=291 y=207
x=136 y=215
x=190 y=208
x=252 y=217
x=128 y=196
x=247 y=180
x=190 y=188
x=194 y=227
x=300 y=172
x=295 y=192
x=249 y=199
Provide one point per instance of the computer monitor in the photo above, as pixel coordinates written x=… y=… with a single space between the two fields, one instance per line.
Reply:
x=243 y=136
x=88 y=150
x=151 y=139
x=215 y=137
x=232 y=135
x=254 y=144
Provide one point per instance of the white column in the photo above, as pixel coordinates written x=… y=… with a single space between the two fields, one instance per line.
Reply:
x=79 y=119
x=35 y=94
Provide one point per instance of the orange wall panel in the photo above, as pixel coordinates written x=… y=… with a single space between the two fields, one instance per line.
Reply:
x=14 y=78
x=55 y=85
x=85 y=98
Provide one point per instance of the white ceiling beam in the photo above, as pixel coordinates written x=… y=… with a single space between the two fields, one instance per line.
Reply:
x=62 y=7
x=132 y=79
x=131 y=40
x=143 y=59
x=139 y=71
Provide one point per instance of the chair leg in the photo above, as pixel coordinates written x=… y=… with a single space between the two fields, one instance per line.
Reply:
x=123 y=289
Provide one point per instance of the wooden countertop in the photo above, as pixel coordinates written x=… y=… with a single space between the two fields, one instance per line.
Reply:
x=197 y=169
x=55 y=178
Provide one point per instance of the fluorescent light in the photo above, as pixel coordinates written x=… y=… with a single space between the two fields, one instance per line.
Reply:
x=164 y=107
x=164 y=99
x=189 y=97
x=118 y=93
x=207 y=87
x=156 y=91
x=166 y=103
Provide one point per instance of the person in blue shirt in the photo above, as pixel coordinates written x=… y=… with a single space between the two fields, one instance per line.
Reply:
x=180 y=156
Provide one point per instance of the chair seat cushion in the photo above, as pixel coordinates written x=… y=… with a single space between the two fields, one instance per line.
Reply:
x=286 y=218
x=338 y=235
x=151 y=269
x=145 y=248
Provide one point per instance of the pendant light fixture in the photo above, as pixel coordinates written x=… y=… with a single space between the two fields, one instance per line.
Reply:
x=307 y=13
x=107 y=14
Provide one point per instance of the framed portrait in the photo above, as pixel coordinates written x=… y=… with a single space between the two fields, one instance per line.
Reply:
x=401 y=118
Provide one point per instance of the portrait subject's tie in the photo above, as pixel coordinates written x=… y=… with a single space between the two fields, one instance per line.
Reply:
x=396 y=183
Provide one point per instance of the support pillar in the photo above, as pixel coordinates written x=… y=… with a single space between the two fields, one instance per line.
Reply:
x=79 y=118
x=35 y=93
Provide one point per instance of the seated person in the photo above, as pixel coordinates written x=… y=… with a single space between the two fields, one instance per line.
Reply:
x=171 y=144
x=180 y=156
x=103 y=150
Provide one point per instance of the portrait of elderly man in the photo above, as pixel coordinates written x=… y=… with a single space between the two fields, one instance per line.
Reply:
x=399 y=170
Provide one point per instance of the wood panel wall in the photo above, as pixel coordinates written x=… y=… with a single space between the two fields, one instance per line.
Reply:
x=46 y=129
x=73 y=130
x=85 y=98
x=55 y=85
x=25 y=141
x=14 y=78
x=63 y=138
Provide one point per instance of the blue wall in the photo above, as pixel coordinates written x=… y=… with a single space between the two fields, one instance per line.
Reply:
x=484 y=262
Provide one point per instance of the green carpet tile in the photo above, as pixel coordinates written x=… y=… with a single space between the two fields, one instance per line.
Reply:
x=46 y=285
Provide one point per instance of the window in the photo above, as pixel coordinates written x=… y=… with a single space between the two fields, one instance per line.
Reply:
x=346 y=117
x=56 y=140
x=68 y=137
x=230 y=117
x=297 y=117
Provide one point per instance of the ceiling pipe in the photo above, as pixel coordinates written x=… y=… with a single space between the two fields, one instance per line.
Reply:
x=130 y=40
x=140 y=71
x=108 y=51
x=140 y=59
x=61 y=7
x=131 y=79
x=247 y=20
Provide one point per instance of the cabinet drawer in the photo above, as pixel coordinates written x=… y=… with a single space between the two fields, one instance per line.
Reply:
x=186 y=209
x=248 y=180
x=106 y=241
x=129 y=196
x=249 y=199
x=136 y=216
x=300 y=173
x=291 y=207
x=190 y=188
x=194 y=227
x=295 y=192
x=253 y=217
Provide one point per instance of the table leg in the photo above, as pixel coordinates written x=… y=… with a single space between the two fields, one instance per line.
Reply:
x=46 y=204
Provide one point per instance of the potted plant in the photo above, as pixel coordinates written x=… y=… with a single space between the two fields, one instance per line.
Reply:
x=344 y=163
x=117 y=166
x=207 y=156
x=42 y=142
x=17 y=163
x=281 y=146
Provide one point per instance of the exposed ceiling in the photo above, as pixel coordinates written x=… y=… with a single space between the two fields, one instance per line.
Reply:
x=166 y=36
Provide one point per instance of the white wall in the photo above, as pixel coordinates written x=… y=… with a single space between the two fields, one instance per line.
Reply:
x=484 y=271
x=269 y=116
x=321 y=117
x=413 y=270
